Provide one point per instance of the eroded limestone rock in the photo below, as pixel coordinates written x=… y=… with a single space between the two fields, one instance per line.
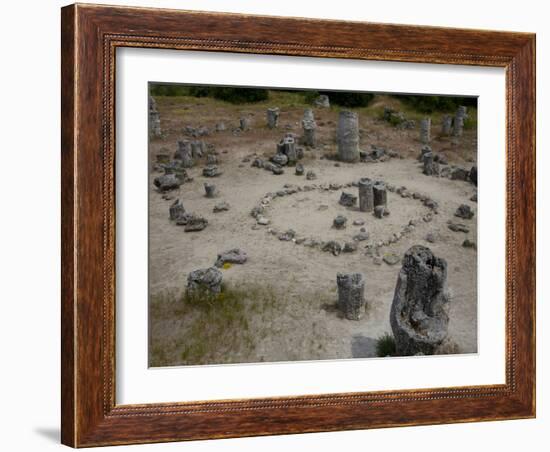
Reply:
x=419 y=314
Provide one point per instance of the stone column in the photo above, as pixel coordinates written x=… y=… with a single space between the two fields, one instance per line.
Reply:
x=185 y=153
x=446 y=125
x=351 y=294
x=428 y=161
x=154 y=119
x=309 y=126
x=380 y=194
x=272 y=117
x=419 y=313
x=366 y=195
x=348 y=136
x=425 y=128
x=458 y=126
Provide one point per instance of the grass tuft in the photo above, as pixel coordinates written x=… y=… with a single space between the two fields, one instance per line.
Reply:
x=385 y=345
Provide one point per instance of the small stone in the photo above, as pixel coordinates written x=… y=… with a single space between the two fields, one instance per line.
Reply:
x=195 y=223
x=431 y=237
x=380 y=211
x=211 y=171
x=464 y=211
x=280 y=159
x=458 y=227
x=362 y=236
x=287 y=236
x=262 y=221
x=469 y=244
x=347 y=199
x=311 y=175
x=233 y=256
x=167 y=182
x=460 y=174
x=299 y=171
x=474 y=197
x=358 y=222
x=277 y=170
x=332 y=246
x=221 y=207
x=377 y=260
x=350 y=247
x=340 y=222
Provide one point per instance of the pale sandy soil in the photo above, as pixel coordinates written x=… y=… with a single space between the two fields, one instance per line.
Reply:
x=303 y=325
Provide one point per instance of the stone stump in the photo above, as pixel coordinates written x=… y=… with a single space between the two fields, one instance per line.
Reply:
x=309 y=126
x=245 y=123
x=287 y=146
x=348 y=136
x=425 y=130
x=210 y=190
x=273 y=117
x=198 y=148
x=185 y=153
x=351 y=294
x=380 y=194
x=446 y=125
x=366 y=195
x=176 y=210
x=419 y=313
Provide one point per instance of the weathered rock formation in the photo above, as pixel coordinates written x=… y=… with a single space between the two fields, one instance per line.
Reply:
x=309 y=126
x=419 y=314
x=206 y=281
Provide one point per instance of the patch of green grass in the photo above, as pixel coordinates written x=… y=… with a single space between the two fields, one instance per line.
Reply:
x=209 y=328
x=385 y=345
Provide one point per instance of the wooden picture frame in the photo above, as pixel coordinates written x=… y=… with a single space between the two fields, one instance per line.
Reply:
x=90 y=36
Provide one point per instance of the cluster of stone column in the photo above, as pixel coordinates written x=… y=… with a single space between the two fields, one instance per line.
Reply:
x=372 y=194
x=154 y=119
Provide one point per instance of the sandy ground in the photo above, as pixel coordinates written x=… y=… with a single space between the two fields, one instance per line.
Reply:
x=309 y=329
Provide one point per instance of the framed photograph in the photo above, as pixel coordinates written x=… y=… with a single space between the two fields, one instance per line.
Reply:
x=281 y=225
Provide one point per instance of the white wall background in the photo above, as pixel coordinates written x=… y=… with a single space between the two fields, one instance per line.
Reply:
x=30 y=244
